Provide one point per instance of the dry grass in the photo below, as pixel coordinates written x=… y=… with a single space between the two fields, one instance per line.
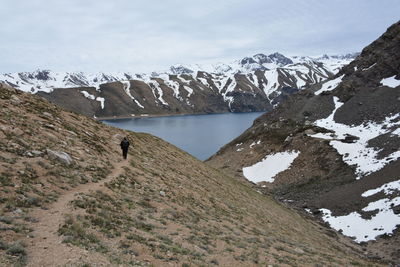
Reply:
x=164 y=208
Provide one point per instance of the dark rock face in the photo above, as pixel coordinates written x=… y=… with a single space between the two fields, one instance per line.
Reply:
x=247 y=60
x=286 y=91
x=43 y=75
x=180 y=70
x=321 y=177
x=276 y=57
x=280 y=59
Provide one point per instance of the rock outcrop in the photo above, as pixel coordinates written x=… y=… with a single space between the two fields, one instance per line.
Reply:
x=60 y=156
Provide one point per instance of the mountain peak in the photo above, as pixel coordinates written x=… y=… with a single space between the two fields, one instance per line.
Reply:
x=180 y=69
x=280 y=59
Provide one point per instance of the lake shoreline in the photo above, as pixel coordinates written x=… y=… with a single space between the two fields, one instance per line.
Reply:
x=199 y=135
x=144 y=116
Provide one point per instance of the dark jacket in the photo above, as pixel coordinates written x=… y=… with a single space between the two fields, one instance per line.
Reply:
x=124 y=144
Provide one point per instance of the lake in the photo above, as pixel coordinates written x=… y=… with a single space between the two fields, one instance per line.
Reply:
x=199 y=135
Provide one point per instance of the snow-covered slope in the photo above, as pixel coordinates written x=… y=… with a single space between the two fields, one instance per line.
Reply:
x=259 y=79
x=346 y=132
x=302 y=69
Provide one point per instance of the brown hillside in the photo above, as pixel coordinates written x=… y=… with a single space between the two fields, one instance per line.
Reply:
x=161 y=207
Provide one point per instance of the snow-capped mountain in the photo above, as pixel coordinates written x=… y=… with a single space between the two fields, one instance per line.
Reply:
x=252 y=83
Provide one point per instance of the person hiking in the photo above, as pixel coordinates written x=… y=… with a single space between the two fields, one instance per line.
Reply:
x=124 y=146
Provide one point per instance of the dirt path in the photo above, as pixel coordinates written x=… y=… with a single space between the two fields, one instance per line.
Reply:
x=46 y=247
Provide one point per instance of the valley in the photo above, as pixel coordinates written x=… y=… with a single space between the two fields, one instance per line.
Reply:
x=313 y=181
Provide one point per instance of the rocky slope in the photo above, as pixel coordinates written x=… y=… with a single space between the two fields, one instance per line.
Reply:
x=67 y=199
x=333 y=150
x=254 y=83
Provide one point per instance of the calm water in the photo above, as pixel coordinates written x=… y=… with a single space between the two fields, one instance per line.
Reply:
x=199 y=135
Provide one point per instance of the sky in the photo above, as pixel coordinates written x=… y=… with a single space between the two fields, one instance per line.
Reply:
x=143 y=36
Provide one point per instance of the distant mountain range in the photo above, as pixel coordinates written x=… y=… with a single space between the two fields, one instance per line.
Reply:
x=254 y=83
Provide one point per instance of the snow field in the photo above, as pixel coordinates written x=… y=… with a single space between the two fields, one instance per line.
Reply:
x=358 y=153
x=330 y=85
x=390 y=82
x=387 y=188
x=270 y=166
x=365 y=158
x=353 y=225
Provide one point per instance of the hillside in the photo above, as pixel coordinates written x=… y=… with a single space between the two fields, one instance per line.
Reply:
x=67 y=199
x=333 y=150
x=254 y=83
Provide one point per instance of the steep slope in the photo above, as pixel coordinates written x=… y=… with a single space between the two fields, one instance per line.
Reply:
x=334 y=149
x=252 y=84
x=68 y=199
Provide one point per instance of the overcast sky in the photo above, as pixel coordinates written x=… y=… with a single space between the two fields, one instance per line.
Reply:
x=141 y=36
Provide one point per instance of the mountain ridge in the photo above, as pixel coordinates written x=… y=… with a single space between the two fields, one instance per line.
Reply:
x=80 y=78
x=341 y=142
x=245 y=85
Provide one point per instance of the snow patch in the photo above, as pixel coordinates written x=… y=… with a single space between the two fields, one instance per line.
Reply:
x=154 y=85
x=390 y=82
x=353 y=225
x=204 y=82
x=255 y=143
x=358 y=153
x=87 y=95
x=101 y=100
x=396 y=132
x=387 y=188
x=127 y=87
x=270 y=166
x=189 y=90
x=92 y=97
x=370 y=67
x=272 y=81
x=330 y=85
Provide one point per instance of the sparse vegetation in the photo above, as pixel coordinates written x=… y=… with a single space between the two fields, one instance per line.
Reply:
x=163 y=207
x=76 y=233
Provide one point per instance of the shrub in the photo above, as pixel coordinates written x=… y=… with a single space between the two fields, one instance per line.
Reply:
x=16 y=250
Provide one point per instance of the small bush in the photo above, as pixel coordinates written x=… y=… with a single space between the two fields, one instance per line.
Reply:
x=5 y=179
x=5 y=219
x=75 y=233
x=16 y=250
x=3 y=245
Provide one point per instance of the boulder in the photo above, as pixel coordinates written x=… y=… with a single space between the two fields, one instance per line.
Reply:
x=59 y=156
x=11 y=130
x=36 y=153
x=309 y=132
x=288 y=139
x=48 y=115
x=15 y=100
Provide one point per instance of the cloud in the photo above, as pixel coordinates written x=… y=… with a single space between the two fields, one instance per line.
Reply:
x=142 y=36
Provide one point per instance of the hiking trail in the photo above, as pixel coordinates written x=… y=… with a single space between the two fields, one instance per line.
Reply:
x=46 y=247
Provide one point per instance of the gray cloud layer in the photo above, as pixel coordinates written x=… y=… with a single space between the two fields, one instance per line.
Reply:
x=136 y=36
